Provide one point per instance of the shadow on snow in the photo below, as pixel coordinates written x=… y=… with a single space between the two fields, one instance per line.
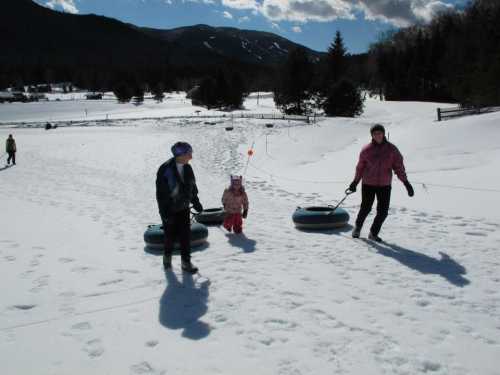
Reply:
x=182 y=305
x=445 y=267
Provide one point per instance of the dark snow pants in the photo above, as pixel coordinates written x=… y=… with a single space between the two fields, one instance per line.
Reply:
x=12 y=156
x=178 y=227
x=368 y=194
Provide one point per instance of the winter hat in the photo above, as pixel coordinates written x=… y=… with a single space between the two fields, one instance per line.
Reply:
x=181 y=148
x=236 y=179
x=377 y=128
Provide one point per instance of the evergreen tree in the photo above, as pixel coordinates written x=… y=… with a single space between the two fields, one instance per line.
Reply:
x=138 y=94
x=157 y=90
x=343 y=99
x=293 y=92
x=237 y=91
x=336 y=60
x=206 y=95
x=123 y=92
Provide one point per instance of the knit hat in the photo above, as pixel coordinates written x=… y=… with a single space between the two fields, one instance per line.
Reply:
x=377 y=128
x=236 y=179
x=181 y=148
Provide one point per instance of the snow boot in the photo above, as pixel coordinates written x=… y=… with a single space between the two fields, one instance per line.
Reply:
x=189 y=267
x=356 y=232
x=167 y=261
x=374 y=237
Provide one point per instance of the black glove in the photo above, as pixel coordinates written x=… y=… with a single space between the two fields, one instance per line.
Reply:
x=352 y=186
x=409 y=188
x=245 y=214
x=197 y=206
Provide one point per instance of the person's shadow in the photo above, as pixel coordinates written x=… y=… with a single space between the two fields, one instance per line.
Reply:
x=445 y=267
x=332 y=231
x=242 y=241
x=183 y=304
x=5 y=167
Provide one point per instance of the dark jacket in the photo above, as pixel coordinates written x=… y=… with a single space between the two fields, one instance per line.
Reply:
x=10 y=145
x=167 y=179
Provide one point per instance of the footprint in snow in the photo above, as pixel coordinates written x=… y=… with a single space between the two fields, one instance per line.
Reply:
x=94 y=348
x=82 y=326
x=23 y=307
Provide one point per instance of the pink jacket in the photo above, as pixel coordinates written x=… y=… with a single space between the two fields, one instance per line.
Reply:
x=234 y=202
x=376 y=163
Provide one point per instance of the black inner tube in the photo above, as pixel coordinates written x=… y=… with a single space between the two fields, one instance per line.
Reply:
x=319 y=209
x=210 y=210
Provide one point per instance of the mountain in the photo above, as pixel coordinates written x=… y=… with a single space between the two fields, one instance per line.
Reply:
x=248 y=46
x=30 y=32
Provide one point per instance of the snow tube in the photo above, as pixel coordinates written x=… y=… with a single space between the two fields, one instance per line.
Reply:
x=320 y=217
x=211 y=216
x=154 y=236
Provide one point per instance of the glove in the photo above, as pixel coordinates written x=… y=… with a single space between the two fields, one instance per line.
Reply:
x=245 y=214
x=352 y=186
x=197 y=206
x=409 y=188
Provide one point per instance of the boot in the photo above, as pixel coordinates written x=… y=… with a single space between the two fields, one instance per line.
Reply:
x=356 y=232
x=167 y=261
x=189 y=267
x=374 y=237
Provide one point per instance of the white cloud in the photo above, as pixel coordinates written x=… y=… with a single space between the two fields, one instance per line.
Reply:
x=198 y=1
x=243 y=19
x=241 y=4
x=297 y=29
x=66 y=5
x=227 y=15
x=306 y=10
x=401 y=12
x=396 y=12
x=274 y=25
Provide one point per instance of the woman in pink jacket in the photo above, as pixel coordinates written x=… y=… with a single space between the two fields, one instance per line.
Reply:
x=376 y=162
x=235 y=200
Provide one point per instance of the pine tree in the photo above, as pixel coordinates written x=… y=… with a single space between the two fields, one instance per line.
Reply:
x=336 y=60
x=157 y=90
x=123 y=92
x=237 y=91
x=138 y=94
x=293 y=91
x=343 y=99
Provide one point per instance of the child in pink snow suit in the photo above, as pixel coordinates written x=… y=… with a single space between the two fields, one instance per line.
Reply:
x=235 y=200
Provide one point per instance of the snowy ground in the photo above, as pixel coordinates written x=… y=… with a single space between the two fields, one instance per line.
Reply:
x=74 y=107
x=81 y=295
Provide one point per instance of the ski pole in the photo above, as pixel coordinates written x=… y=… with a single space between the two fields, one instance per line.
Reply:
x=347 y=193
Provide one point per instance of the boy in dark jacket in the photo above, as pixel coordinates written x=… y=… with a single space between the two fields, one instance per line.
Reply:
x=175 y=191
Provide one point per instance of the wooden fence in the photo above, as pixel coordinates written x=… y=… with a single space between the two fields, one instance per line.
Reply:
x=447 y=113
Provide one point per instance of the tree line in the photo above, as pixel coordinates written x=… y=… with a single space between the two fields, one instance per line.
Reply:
x=455 y=58
x=327 y=85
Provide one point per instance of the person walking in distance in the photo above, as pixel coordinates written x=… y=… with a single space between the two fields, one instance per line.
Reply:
x=11 y=149
x=376 y=162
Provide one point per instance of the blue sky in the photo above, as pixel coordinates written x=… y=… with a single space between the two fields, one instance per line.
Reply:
x=309 y=22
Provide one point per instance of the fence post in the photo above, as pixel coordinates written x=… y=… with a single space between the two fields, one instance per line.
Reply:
x=439 y=114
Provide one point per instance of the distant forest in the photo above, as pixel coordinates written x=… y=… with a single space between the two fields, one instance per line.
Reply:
x=454 y=58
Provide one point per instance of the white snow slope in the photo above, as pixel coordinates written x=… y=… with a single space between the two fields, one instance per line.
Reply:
x=81 y=295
